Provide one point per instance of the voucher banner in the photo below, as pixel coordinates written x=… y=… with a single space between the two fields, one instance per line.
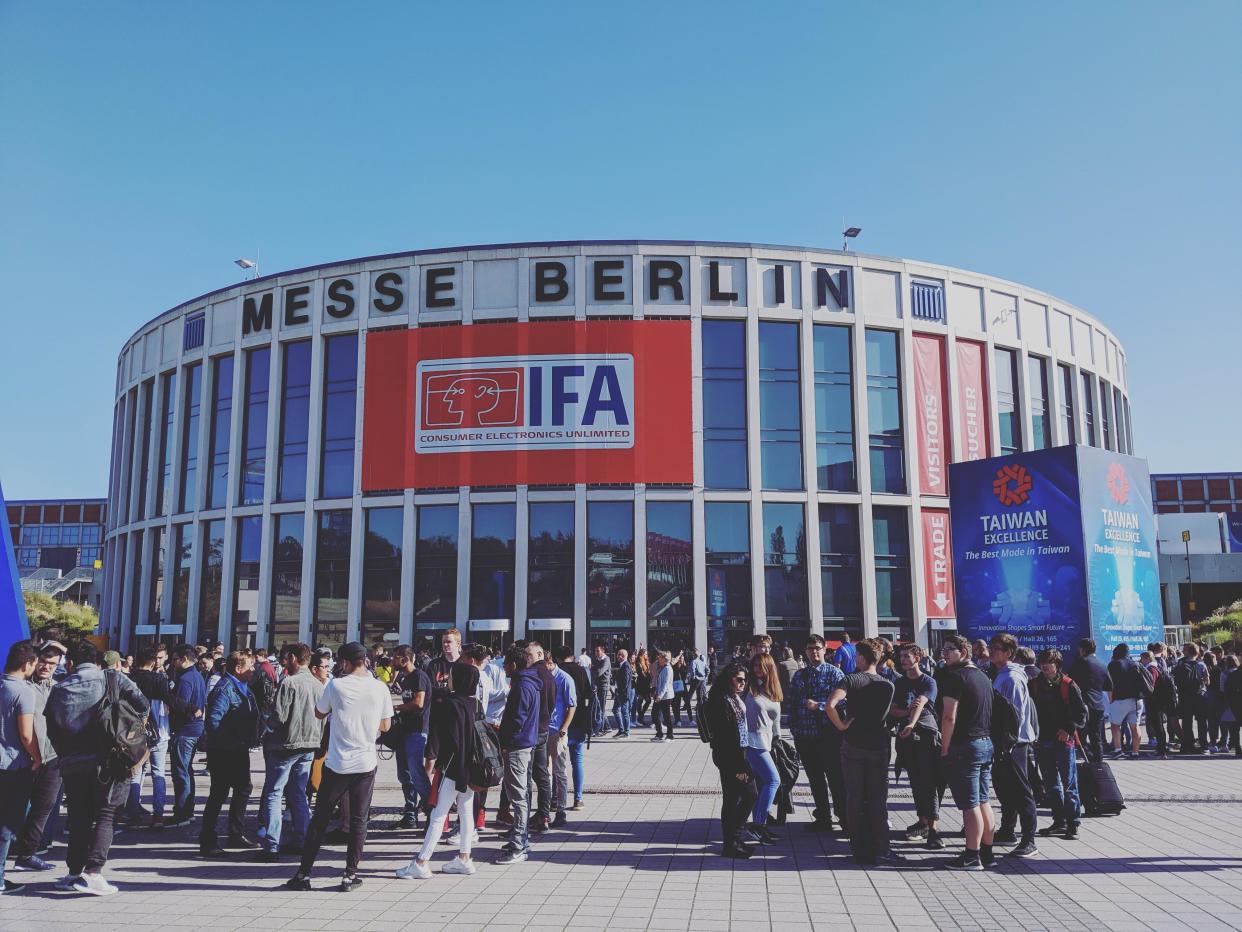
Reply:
x=931 y=413
x=559 y=402
x=973 y=415
x=937 y=564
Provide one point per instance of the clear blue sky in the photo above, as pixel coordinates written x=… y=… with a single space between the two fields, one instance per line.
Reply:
x=1091 y=150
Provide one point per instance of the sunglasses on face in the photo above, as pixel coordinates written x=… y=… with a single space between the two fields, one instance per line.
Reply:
x=739 y=678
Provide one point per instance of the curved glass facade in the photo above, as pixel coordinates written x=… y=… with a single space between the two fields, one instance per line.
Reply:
x=238 y=510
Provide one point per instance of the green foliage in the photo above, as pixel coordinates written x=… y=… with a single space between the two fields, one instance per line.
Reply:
x=74 y=618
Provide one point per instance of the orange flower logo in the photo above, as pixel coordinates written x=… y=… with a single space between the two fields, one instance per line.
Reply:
x=1012 y=485
x=1118 y=483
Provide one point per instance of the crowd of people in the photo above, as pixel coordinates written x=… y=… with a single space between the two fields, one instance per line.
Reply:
x=977 y=720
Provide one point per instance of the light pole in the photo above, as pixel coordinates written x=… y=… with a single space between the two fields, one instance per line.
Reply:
x=849 y=234
x=1190 y=607
x=248 y=264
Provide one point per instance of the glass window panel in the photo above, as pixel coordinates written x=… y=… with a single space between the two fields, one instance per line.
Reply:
x=247 y=624
x=70 y=534
x=330 y=617
x=493 y=550
x=339 y=416
x=213 y=573
x=834 y=410
x=724 y=404
x=123 y=463
x=30 y=534
x=785 y=571
x=155 y=596
x=1088 y=410
x=1109 y=442
x=892 y=570
x=90 y=534
x=550 y=591
x=189 y=438
x=1123 y=442
x=1007 y=409
x=670 y=561
x=610 y=572
x=435 y=568
x=221 y=424
x=780 y=406
x=294 y=422
x=1069 y=425
x=884 y=426
x=168 y=409
x=840 y=558
x=144 y=463
x=50 y=535
x=254 y=425
x=381 y=576
x=287 y=579
x=1037 y=387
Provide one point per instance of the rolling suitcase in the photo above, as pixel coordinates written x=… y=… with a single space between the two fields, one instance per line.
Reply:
x=1098 y=789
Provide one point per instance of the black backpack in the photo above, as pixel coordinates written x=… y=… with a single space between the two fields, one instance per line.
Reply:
x=1004 y=725
x=485 y=768
x=122 y=729
x=1184 y=679
x=705 y=725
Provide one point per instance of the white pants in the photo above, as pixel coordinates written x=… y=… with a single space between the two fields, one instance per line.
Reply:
x=445 y=797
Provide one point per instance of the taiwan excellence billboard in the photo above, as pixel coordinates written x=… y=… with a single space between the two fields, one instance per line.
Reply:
x=13 y=625
x=1055 y=545
x=556 y=402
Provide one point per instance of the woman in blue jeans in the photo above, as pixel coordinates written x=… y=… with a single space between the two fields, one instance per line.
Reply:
x=763 y=726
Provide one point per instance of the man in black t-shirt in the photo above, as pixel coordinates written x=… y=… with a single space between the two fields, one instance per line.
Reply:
x=411 y=688
x=865 y=755
x=966 y=750
x=918 y=742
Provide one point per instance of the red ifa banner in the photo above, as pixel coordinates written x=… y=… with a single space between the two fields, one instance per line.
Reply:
x=972 y=401
x=931 y=414
x=510 y=404
x=937 y=564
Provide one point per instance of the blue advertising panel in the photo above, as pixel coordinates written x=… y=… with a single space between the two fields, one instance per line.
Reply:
x=1233 y=530
x=1120 y=533
x=1018 y=563
x=13 y=625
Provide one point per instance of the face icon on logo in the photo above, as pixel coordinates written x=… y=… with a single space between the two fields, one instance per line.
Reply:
x=1118 y=483
x=1012 y=485
x=472 y=398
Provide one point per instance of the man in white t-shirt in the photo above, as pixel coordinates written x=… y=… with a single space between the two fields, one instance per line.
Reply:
x=358 y=707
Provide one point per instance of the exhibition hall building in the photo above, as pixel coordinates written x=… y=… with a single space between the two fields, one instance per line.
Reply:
x=647 y=443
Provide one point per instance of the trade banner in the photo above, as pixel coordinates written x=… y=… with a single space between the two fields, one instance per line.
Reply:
x=13 y=624
x=1120 y=533
x=931 y=414
x=557 y=402
x=1018 y=548
x=937 y=564
x=973 y=415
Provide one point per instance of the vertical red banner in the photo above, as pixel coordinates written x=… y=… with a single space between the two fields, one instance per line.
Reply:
x=937 y=564
x=974 y=418
x=931 y=414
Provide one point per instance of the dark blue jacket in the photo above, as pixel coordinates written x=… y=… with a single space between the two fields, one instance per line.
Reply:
x=519 y=726
x=189 y=696
x=231 y=718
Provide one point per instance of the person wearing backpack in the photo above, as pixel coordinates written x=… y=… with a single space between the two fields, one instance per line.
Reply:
x=93 y=789
x=450 y=738
x=1190 y=677
x=1062 y=713
x=1012 y=766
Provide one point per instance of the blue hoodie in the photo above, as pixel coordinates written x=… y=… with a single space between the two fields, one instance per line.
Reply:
x=519 y=726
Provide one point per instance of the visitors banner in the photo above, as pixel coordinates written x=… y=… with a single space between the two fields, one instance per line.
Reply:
x=13 y=624
x=937 y=564
x=555 y=402
x=1055 y=545
x=974 y=418
x=931 y=414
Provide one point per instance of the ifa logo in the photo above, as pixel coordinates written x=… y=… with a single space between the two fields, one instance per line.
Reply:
x=1118 y=483
x=1012 y=485
x=471 y=398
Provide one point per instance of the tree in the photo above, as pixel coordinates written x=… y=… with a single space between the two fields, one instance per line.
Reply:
x=73 y=618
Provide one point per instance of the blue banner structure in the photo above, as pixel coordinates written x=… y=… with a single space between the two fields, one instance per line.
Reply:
x=1233 y=529
x=13 y=625
x=1056 y=545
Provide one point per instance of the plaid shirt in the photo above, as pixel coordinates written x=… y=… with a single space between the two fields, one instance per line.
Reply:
x=812 y=683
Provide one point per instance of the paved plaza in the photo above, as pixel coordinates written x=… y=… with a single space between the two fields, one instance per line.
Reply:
x=642 y=856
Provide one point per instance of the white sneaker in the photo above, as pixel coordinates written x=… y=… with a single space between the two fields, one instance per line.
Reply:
x=95 y=885
x=458 y=866
x=67 y=882
x=414 y=871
